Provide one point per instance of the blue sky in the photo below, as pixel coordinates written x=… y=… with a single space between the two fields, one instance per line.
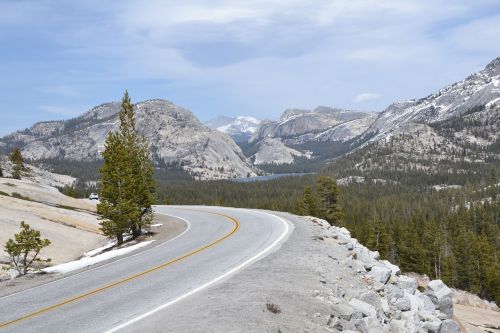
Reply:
x=60 y=58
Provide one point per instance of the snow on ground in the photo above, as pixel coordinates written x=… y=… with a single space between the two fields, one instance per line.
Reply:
x=89 y=260
x=446 y=187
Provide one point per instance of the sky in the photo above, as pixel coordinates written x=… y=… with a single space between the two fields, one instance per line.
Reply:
x=58 y=59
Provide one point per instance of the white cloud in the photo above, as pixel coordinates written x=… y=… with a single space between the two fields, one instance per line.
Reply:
x=479 y=35
x=288 y=53
x=365 y=97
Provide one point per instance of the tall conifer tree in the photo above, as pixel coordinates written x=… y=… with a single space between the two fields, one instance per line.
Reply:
x=127 y=183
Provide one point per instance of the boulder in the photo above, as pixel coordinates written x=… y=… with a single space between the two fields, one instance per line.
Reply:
x=441 y=296
x=393 y=292
x=398 y=326
x=378 y=286
x=385 y=306
x=426 y=303
x=432 y=326
x=407 y=283
x=374 y=300
x=364 y=255
x=403 y=304
x=366 y=309
x=449 y=326
x=340 y=324
x=368 y=325
x=342 y=311
x=375 y=255
x=380 y=274
x=394 y=269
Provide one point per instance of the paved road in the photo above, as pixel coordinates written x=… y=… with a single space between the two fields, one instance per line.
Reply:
x=117 y=296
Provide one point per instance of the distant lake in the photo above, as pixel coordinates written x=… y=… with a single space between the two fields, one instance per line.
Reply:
x=267 y=177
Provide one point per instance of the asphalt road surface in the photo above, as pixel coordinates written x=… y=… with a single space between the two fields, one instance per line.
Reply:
x=114 y=297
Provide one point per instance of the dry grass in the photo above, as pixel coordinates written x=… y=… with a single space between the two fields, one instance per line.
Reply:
x=271 y=307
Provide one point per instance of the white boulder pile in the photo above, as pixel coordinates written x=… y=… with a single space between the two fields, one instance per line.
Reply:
x=389 y=301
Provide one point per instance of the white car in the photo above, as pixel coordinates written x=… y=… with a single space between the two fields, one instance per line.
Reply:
x=94 y=196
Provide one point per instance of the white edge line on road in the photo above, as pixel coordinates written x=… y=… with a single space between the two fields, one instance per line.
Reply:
x=231 y=271
x=111 y=262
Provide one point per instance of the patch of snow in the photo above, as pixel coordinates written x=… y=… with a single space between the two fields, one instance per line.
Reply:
x=350 y=179
x=156 y=225
x=89 y=261
x=446 y=187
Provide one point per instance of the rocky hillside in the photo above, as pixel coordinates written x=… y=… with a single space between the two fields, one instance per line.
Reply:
x=458 y=125
x=176 y=136
x=299 y=132
x=274 y=151
x=240 y=128
x=296 y=122
x=479 y=89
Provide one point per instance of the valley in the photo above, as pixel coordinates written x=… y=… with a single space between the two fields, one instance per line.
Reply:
x=417 y=182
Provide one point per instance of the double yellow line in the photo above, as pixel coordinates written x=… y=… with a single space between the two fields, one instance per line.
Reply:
x=132 y=277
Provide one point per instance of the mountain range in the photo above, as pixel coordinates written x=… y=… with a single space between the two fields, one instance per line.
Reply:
x=176 y=136
x=458 y=123
x=240 y=128
x=462 y=118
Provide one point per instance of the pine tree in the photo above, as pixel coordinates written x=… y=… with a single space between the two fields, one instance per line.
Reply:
x=411 y=256
x=17 y=159
x=308 y=202
x=328 y=193
x=127 y=183
x=378 y=238
x=433 y=240
x=115 y=208
x=25 y=247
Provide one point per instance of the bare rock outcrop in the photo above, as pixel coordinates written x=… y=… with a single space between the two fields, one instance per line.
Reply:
x=176 y=136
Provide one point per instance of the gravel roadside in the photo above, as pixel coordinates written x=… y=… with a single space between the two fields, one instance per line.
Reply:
x=320 y=280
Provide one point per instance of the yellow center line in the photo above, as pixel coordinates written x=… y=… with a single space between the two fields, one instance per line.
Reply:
x=132 y=277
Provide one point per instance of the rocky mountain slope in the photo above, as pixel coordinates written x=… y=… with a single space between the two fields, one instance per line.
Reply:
x=459 y=124
x=240 y=128
x=298 y=131
x=176 y=136
x=273 y=150
x=296 y=122
x=479 y=89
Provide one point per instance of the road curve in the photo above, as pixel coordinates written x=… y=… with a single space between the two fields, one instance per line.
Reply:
x=218 y=242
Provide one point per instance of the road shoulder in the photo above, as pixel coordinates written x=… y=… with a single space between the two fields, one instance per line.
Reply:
x=165 y=229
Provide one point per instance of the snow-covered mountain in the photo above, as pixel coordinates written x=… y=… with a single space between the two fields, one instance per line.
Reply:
x=175 y=134
x=462 y=119
x=482 y=88
x=457 y=125
x=239 y=128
